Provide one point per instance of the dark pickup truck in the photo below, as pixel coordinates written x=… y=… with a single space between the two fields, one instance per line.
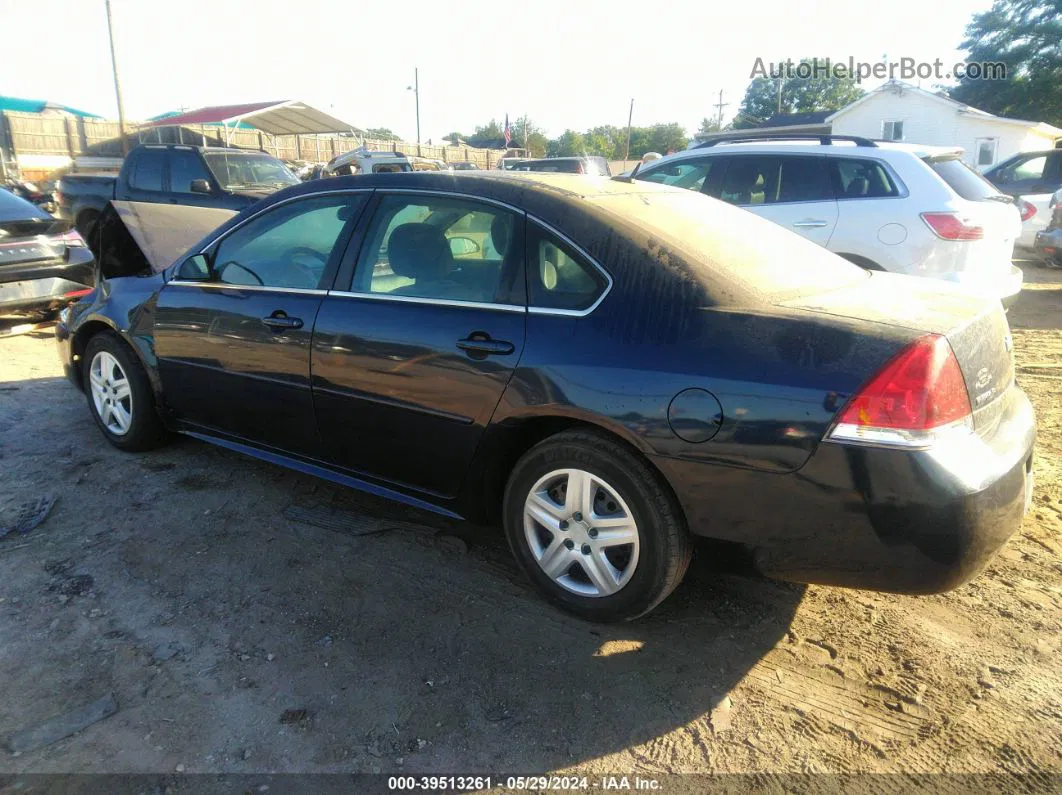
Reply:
x=197 y=176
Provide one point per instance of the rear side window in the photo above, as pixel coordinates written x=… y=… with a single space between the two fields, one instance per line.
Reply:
x=184 y=168
x=775 y=179
x=859 y=178
x=962 y=179
x=147 y=171
x=558 y=276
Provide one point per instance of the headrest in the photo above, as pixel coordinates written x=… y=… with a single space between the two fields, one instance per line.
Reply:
x=419 y=252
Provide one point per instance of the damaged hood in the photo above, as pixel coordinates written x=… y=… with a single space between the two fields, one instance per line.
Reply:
x=165 y=232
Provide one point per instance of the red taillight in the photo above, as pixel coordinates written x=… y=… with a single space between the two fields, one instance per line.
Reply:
x=951 y=226
x=70 y=239
x=919 y=390
x=77 y=293
x=579 y=168
x=1027 y=209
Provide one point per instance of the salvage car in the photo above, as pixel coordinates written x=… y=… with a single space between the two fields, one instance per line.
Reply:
x=625 y=366
x=44 y=263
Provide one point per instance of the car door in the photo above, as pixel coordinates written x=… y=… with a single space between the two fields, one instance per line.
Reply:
x=233 y=329
x=791 y=190
x=414 y=347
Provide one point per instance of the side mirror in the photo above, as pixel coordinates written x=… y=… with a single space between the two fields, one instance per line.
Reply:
x=194 y=269
x=200 y=186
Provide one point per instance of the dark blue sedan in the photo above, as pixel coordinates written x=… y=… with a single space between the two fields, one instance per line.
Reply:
x=606 y=368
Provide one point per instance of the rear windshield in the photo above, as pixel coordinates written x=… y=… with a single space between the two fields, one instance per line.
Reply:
x=727 y=247
x=962 y=179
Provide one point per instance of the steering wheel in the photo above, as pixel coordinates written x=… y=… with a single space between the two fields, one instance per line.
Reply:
x=312 y=276
x=233 y=263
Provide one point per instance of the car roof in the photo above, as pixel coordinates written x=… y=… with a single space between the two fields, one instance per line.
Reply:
x=837 y=149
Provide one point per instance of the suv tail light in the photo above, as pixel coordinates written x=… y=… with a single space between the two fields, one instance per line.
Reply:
x=1027 y=209
x=918 y=396
x=579 y=168
x=952 y=226
x=71 y=239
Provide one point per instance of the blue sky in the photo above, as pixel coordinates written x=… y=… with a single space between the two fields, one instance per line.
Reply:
x=561 y=63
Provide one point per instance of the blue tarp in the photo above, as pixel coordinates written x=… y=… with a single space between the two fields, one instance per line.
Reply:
x=22 y=105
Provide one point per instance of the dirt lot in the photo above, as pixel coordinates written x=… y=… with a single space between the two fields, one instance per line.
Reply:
x=189 y=584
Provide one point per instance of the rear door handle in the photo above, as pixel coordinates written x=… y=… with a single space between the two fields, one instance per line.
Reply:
x=811 y=223
x=278 y=321
x=482 y=345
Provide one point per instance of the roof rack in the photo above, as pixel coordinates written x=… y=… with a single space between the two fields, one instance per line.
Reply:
x=825 y=140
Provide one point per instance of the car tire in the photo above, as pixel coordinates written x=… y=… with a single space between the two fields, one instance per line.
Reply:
x=540 y=522
x=119 y=394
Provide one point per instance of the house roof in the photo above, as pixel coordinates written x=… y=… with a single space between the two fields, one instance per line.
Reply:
x=23 y=105
x=958 y=107
x=284 y=117
x=795 y=119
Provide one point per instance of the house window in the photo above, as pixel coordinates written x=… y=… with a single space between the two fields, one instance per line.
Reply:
x=892 y=130
x=986 y=151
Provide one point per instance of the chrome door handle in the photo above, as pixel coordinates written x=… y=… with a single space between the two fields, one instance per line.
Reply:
x=479 y=344
x=809 y=224
x=281 y=322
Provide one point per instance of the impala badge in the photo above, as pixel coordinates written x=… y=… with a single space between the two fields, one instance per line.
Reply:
x=984 y=378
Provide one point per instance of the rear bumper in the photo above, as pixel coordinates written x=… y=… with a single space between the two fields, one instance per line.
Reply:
x=862 y=517
x=1049 y=244
x=33 y=293
x=1006 y=287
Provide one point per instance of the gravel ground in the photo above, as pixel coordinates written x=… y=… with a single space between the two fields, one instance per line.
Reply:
x=243 y=626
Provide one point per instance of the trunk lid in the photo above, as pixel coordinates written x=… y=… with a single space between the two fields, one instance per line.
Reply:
x=33 y=240
x=976 y=327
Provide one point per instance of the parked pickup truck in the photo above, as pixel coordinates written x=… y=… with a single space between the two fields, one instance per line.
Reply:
x=198 y=176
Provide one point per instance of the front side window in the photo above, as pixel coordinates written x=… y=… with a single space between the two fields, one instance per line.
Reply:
x=775 y=179
x=689 y=174
x=288 y=246
x=860 y=178
x=185 y=167
x=442 y=248
x=558 y=276
x=1030 y=168
x=147 y=171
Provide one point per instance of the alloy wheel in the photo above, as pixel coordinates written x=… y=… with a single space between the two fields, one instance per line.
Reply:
x=111 y=393
x=581 y=532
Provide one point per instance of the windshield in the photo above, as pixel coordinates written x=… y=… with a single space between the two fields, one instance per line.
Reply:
x=962 y=179
x=240 y=170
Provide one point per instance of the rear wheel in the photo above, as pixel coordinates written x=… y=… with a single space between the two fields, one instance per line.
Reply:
x=594 y=527
x=120 y=396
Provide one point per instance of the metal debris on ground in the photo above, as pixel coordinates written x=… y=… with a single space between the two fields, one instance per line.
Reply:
x=62 y=726
x=28 y=515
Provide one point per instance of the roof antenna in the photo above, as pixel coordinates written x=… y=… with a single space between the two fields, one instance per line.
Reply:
x=630 y=177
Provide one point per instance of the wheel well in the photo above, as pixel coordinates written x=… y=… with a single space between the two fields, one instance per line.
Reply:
x=81 y=339
x=502 y=454
x=862 y=262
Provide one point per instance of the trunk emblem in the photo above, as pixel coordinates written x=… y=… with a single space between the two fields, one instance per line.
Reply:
x=984 y=378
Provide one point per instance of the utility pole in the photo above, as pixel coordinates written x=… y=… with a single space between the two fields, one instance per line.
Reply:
x=117 y=84
x=527 y=151
x=719 y=110
x=630 y=117
x=779 y=95
x=415 y=88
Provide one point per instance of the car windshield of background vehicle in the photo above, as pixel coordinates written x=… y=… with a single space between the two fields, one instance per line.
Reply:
x=442 y=248
x=246 y=171
x=962 y=179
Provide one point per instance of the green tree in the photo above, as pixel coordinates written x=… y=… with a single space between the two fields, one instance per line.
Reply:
x=382 y=133
x=489 y=136
x=1026 y=36
x=817 y=93
x=709 y=126
x=535 y=139
x=568 y=144
x=664 y=138
x=454 y=138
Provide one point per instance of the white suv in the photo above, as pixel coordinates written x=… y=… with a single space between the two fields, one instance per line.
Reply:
x=886 y=206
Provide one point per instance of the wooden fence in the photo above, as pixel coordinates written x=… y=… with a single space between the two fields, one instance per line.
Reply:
x=24 y=134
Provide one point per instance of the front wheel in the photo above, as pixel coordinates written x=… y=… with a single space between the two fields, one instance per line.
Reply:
x=120 y=396
x=594 y=527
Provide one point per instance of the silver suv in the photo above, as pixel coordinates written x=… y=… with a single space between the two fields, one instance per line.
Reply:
x=895 y=207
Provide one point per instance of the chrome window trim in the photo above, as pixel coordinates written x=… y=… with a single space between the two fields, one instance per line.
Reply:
x=409 y=299
x=445 y=194
x=258 y=288
x=540 y=310
x=302 y=196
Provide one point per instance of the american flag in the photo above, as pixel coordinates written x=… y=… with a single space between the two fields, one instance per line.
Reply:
x=508 y=131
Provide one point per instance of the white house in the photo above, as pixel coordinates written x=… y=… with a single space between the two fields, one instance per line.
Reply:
x=900 y=112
